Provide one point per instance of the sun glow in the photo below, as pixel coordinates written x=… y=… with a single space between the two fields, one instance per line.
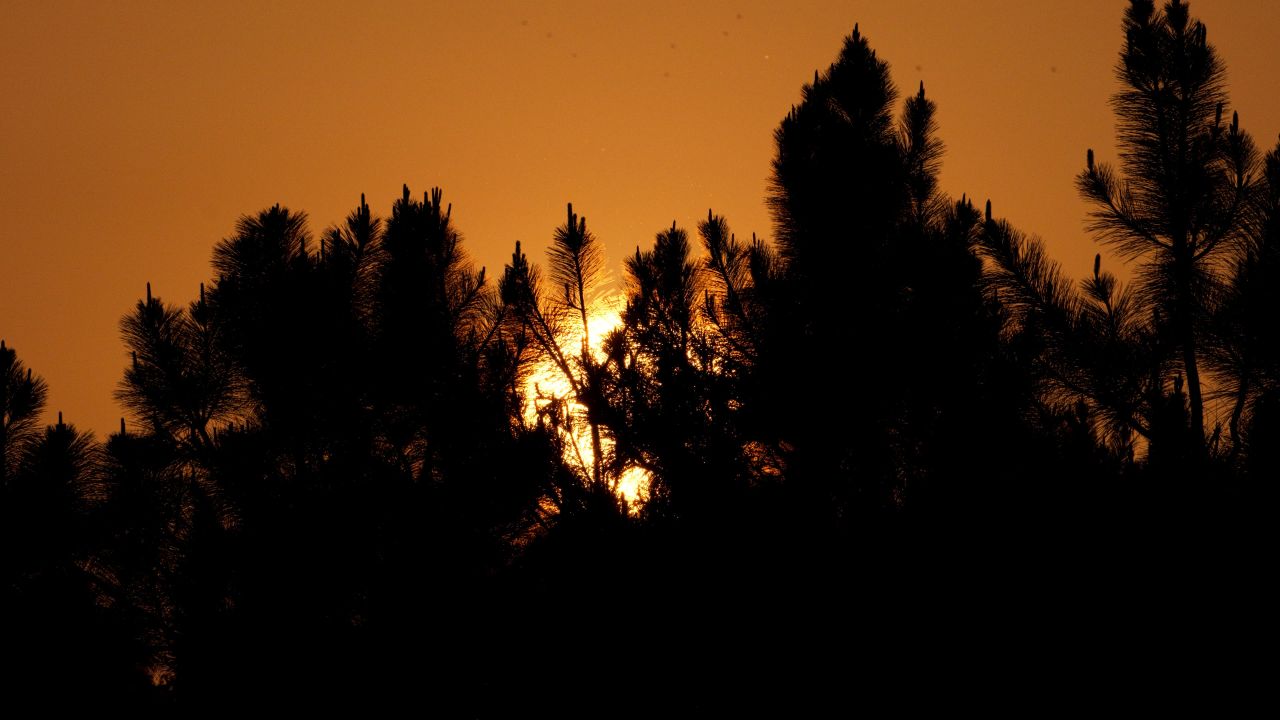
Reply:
x=549 y=393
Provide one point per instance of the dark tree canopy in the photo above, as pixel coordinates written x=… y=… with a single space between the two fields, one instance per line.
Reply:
x=356 y=473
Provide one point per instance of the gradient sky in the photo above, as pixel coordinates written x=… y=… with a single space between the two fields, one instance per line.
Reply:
x=134 y=134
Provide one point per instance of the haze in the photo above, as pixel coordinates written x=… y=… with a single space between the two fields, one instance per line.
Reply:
x=135 y=134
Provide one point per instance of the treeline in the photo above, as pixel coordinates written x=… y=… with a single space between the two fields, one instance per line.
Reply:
x=340 y=480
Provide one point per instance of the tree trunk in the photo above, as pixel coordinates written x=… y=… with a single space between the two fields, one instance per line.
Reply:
x=1186 y=329
x=1242 y=394
x=1193 y=390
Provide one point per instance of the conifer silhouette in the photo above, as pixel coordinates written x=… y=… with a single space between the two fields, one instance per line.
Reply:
x=56 y=579
x=880 y=265
x=1186 y=207
x=22 y=398
x=339 y=481
x=553 y=321
x=1180 y=205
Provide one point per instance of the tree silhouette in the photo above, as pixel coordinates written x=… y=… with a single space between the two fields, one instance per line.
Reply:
x=1085 y=345
x=553 y=322
x=181 y=381
x=1190 y=208
x=344 y=476
x=71 y=647
x=839 y=194
x=576 y=260
x=1243 y=347
x=738 y=279
x=325 y=447
x=882 y=314
x=664 y=393
x=22 y=398
x=1180 y=205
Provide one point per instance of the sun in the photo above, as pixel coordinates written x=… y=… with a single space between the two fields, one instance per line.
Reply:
x=547 y=388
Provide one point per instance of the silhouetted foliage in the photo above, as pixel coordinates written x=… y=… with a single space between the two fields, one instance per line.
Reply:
x=667 y=389
x=22 y=397
x=555 y=321
x=882 y=355
x=1181 y=205
x=356 y=472
x=68 y=643
x=1190 y=207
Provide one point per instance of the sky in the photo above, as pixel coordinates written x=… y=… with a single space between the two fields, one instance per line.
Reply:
x=134 y=134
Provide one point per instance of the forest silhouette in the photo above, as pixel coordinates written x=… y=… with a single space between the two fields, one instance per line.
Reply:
x=339 y=483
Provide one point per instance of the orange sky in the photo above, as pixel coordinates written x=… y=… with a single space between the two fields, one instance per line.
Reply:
x=134 y=134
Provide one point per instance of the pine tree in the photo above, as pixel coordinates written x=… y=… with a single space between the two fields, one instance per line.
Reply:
x=1180 y=201
x=22 y=398
x=558 y=322
x=879 y=313
x=1244 y=341
x=576 y=261
x=181 y=381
